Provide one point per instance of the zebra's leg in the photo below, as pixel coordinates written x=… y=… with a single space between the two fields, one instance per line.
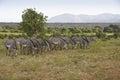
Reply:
x=28 y=50
x=56 y=47
x=6 y=51
x=65 y=46
x=81 y=46
x=21 y=50
x=15 y=52
x=43 y=48
x=33 y=52
x=53 y=47
x=24 y=50
x=85 y=46
x=48 y=48
x=9 y=51
x=88 y=45
x=37 y=50
x=40 y=51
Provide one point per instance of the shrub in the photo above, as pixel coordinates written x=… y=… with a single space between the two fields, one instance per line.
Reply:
x=2 y=36
x=11 y=36
x=101 y=35
x=116 y=35
x=56 y=33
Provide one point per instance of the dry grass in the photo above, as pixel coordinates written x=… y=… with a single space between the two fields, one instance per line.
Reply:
x=100 y=62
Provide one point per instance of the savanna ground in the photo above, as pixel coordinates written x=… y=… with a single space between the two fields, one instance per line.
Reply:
x=100 y=62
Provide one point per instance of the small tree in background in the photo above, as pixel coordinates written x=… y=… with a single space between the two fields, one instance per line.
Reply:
x=33 y=23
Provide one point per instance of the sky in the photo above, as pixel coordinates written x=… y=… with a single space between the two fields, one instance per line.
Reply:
x=11 y=10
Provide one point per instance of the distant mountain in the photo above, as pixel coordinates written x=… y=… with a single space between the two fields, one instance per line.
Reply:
x=101 y=18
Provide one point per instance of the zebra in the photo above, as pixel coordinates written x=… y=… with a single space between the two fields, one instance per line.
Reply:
x=11 y=46
x=41 y=43
x=57 y=43
x=88 y=40
x=22 y=43
x=47 y=45
x=68 y=40
x=34 y=45
x=78 y=41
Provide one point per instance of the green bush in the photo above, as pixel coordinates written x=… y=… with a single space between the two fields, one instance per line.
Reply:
x=116 y=35
x=101 y=35
x=2 y=36
x=56 y=34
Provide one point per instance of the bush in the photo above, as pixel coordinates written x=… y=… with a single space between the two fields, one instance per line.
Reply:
x=4 y=31
x=101 y=35
x=2 y=36
x=116 y=35
x=56 y=34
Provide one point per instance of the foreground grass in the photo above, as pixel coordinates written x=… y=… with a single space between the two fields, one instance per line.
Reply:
x=100 y=62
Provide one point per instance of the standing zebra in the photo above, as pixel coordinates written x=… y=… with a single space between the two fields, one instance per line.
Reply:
x=11 y=46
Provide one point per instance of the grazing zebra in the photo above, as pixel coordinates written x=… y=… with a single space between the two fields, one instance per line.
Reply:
x=87 y=41
x=68 y=40
x=78 y=41
x=42 y=44
x=46 y=45
x=36 y=45
x=11 y=47
x=57 y=43
x=62 y=44
x=21 y=42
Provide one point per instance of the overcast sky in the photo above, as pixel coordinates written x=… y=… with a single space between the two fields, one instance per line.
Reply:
x=11 y=10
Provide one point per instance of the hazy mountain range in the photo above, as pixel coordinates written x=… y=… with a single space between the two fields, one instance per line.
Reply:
x=82 y=18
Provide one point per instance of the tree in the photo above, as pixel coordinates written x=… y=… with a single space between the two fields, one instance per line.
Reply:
x=101 y=35
x=108 y=29
x=115 y=28
x=33 y=23
x=56 y=33
x=98 y=29
x=65 y=31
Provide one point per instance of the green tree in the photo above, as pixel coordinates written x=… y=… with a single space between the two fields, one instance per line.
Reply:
x=108 y=29
x=65 y=31
x=98 y=29
x=56 y=33
x=101 y=35
x=33 y=23
x=115 y=28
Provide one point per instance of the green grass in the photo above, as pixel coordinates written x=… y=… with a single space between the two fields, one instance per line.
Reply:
x=9 y=33
x=100 y=62
x=47 y=34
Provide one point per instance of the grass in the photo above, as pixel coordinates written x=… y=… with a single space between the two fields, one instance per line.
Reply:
x=100 y=62
x=9 y=33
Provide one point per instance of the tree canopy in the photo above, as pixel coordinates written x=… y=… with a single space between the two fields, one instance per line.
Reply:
x=33 y=23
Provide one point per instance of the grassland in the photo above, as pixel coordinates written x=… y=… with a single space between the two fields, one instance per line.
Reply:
x=9 y=33
x=87 y=34
x=100 y=62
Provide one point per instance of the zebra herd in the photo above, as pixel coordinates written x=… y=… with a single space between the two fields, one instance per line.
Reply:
x=40 y=45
